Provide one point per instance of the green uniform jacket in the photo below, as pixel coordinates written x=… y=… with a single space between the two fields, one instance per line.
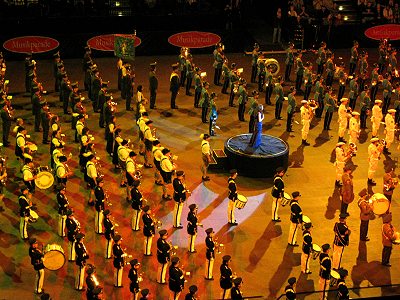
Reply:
x=291 y=104
x=204 y=98
x=329 y=103
x=279 y=96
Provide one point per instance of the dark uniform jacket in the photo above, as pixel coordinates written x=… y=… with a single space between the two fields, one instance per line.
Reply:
x=233 y=195
x=100 y=197
x=290 y=293
x=325 y=264
x=118 y=258
x=36 y=258
x=174 y=83
x=210 y=244
x=236 y=294
x=179 y=190
x=307 y=242
x=192 y=223
x=72 y=228
x=134 y=278
x=163 y=251
x=153 y=82
x=278 y=188
x=137 y=199
x=296 y=215
x=63 y=204
x=148 y=228
x=176 y=280
x=343 y=292
x=81 y=254
x=91 y=284
x=225 y=281
x=24 y=207
x=341 y=234
x=108 y=229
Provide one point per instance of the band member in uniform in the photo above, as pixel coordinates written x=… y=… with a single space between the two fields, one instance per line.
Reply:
x=347 y=189
x=37 y=262
x=81 y=257
x=91 y=177
x=137 y=204
x=325 y=264
x=167 y=168
x=277 y=193
x=233 y=195
x=153 y=86
x=365 y=213
x=354 y=128
x=109 y=232
x=236 y=293
x=91 y=281
x=210 y=254
x=341 y=240
x=135 y=279
x=354 y=58
x=390 y=128
x=24 y=212
x=340 y=162
x=148 y=230
x=227 y=276
x=353 y=92
x=306 y=114
x=192 y=293
x=306 y=249
x=119 y=261
x=390 y=182
x=163 y=256
x=192 y=227
x=254 y=58
x=29 y=175
x=342 y=119
x=130 y=173
x=206 y=155
x=99 y=206
x=296 y=218
x=376 y=118
x=123 y=154
x=145 y=293
x=291 y=109
x=157 y=154
x=218 y=61
x=330 y=104
x=174 y=85
x=180 y=194
x=279 y=98
x=63 y=207
x=73 y=228
x=299 y=71
x=6 y=118
x=374 y=153
x=289 y=61
x=62 y=170
x=388 y=237
x=176 y=279
x=290 y=289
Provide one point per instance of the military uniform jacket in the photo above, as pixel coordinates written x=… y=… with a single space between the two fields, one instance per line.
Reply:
x=179 y=190
x=387 y=88
x=218 y=60
x=236 y=293
x=254 y=57
x=299 y=66
x=210 y=251
x=163 y=251
x=363 y=66
x=225 y=71
x=101 y=99
x=148 y=225
x=36 y=104
x=81 y=254
x=347 y=188
x=225 y=281
x=174 y=82
x=354 y=55
x=137 y=198
x=204 y=98
x=353 y=85
x=296 y=212
x=290 y=293
x=321 y=56
x=291 y=104
x=176 y=280
x=289 y=57
x=197 y=83
x=365 y=101
x=192 y=223
x=95 y=88
x=329 y=103
x=242 y=95
x=72 y=228
x=325 y=264
x=307 y=242
x=388 y=235
x=190 y=297
x=24 y=207
x=233 y=195
x=118 y=256
x=91 y=284
x=279 y=96
x=341 y=234
x=63 y=204
x=278 y=188
x=99 y=194
x=36 y=258
x=134 y=278
x=108 y=228
x=343 y=292
x=365 y=209
x=153 y=82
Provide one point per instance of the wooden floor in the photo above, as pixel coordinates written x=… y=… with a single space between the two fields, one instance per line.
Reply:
x=258 y=246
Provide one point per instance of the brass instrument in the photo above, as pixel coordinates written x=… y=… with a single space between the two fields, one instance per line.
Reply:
x=157 y=223
x=3 y=181
x=107 y=197
x=352 y=151
x=172 y=250
x=218 y=246
x=391 y=184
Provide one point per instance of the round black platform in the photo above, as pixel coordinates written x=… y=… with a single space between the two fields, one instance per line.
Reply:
x=260 y=162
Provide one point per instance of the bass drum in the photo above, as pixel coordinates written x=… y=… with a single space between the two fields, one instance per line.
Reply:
x=274 y=64
x=53 y=258
x=380 y=204
x=44 y=178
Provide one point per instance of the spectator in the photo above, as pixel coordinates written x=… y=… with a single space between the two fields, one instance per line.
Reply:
x=368 y=13
x=396 y=13
x=277 y=24
x=304 y=16
x=378 y=13
x=387 y=14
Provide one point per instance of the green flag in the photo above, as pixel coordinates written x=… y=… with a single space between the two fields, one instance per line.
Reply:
x=124 y=46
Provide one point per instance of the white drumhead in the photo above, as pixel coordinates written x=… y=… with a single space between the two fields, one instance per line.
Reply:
x=335 y=274
x=306 y=219
x=242 y=198
x=286 y=196
x=316 y=248
x=44 y=180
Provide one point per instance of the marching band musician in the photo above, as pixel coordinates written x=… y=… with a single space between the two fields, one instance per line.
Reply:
x=153 y=86
x=387 y=92
x=342 y=119
x=91 y=281
x=123 y=154
x=254 y=58
x=253 y=101
x=63 y=207
x=135 y=278
x=389 y=183
x=340 y=162
x=29 y=175
x=119 y=261
x=192 y=293
x=225 y=76
x=388 y=237
x=353 y=58
x=374 y=153
x=65 y=91
x=354 y=128
x=232 y=196
x=210 y=254
x=130 y=173
x=73 y=228
x=390 y=128
x=184 y=52
x=198 y=86
x=99 y=206
x=218 y=61
x=269 y=85
x=375 y=80
x=80 y=124
x=234 y=77
x=226 y=278
x=163 y=256
x=236 y=293
x=291 y=109
x=306 y=249
x=81 y=257
x=137 y=204
x=91 y=177
x=6 y=118
x=308 y=80
x=95 y=88
x=299 y=71
x=343 y=291
x=363 y=68
x=24 y=211
x=206 y=155
x=342 y=77
x=176 y=279
x=342 y=233
x=101 y=98
x=37 y=262
x=167 y=168
x=353 y=92
x=141 y=122
x=289 y=61
x=347 y=189
x=109 y=134
x=204 y=101
x=330 y=69
x=365 y=107
x=324 y=271
x=149 y=137
x=261 y=72
x=306 y=115
x=174 y=85
x=376 y=118
x=36 y=107
x=278 y=98
x=85 y=137
x=20 y=143
x=74 y=93
x=62 y=170
x=296 y=218
x=117 y=142
x=45 y=118
x=180 y=195
x=192 y=226
x=189 y=73
x=109 y=232
x=157 y=154
x=109 y=108
x=290 y=289
x=148 y=230
x=141 y=101
x=277 y=193
x=365 y=213
x=319 y=96
x=321 y=60
x=392 y=66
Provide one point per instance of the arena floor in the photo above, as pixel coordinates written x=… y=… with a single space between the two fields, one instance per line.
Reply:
x=258 y=246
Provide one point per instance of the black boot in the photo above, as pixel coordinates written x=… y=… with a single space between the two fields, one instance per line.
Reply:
x=338 y=183
x=371 y=182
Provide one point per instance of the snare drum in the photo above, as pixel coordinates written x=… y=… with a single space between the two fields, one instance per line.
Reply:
x=54 y=257
x=241 y=201
x=316 y=250
x=32 y=147
x=335 y=276
x=380 y=204
x=397 y=238
x=306 y=220
x=33 y=216
x=285 y=199
x=44 y=178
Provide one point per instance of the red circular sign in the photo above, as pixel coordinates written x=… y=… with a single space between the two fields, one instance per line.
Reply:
x=388 y=31
x=194 y=39
x=34 y=44
x=105 y=42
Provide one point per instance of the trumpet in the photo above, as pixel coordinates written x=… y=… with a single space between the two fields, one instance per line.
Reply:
x=173 y=249
x=157 y=223
x=391 y=184
x=107 y=197
x=218 y=246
